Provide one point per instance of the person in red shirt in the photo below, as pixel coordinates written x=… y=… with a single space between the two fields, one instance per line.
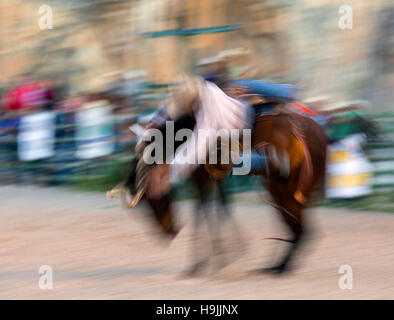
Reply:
x=25 y=94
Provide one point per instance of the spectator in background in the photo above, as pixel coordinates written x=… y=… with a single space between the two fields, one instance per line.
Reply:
x=25 y=94
x=124 y=88
x=28 y=95
x=71 y=103
x=8 y=147
x=31 y=102
x=60 y=88
x=11 y=98
x=12 y=106
x=47 y=96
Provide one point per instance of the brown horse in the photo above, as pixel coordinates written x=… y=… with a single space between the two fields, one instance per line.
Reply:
x=302 y=142
x=288 y=137
x=161 y=208
x=296 y=148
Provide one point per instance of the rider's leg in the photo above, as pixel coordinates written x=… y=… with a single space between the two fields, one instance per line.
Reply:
x=268 y=89
x=257 y=159
x=264 y=161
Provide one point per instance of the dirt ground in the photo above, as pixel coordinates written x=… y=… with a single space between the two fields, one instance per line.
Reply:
x=97 y=250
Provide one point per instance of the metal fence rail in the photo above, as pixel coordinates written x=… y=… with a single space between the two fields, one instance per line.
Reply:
x=66 y=168
x=381 y=153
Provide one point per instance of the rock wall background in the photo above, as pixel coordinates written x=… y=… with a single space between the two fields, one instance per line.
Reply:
x=297 y=41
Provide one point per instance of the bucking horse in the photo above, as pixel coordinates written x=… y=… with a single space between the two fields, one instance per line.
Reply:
x=294 y=144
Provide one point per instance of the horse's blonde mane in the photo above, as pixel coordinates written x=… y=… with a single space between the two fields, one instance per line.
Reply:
x=183 y=94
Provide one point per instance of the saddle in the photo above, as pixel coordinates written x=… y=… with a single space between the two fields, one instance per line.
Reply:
x=260 y=103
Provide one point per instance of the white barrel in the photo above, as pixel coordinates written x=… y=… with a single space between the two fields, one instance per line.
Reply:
x=349 y=173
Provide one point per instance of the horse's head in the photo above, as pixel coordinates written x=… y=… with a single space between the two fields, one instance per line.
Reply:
x=148 y=178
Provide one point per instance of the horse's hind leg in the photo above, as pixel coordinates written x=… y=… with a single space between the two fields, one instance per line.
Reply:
x=291 y=212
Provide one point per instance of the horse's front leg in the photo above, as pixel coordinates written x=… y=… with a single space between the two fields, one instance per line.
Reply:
x=199 y=258
x=232 y=243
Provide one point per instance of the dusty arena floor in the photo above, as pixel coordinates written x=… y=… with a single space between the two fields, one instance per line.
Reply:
x=97 y=250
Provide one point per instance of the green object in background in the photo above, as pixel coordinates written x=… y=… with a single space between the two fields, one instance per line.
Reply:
x=344 y=125
x=190 y=32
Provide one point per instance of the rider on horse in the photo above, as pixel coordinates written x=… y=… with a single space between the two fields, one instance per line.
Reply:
x=294 y=146
x=212 y=108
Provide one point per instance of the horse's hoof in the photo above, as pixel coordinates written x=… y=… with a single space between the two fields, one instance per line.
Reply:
x=187 y=274
x=194 y=270
x=275 y=270
x=221 y=261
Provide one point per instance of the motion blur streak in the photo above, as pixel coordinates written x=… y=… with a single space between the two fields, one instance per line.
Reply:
x=76 y=75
